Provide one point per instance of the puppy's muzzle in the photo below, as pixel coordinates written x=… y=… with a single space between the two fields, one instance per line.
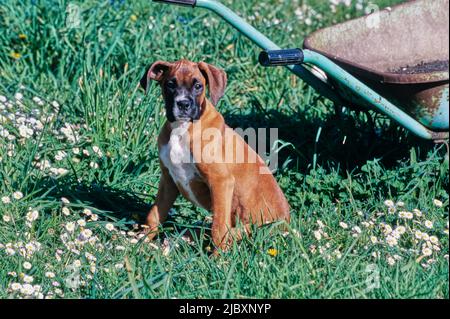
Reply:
x=184 y=105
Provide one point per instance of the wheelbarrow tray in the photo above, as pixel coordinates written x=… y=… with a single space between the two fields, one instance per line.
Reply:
x=401 y=52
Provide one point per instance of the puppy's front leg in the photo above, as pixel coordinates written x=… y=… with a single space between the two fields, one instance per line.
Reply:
x=167 y=194
x=221 y=199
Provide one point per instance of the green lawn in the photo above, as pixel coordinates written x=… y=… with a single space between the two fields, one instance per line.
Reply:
x=78 y=164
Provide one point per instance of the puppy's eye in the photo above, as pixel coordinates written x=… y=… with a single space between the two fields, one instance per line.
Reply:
x=198 y=86
x=172 y=84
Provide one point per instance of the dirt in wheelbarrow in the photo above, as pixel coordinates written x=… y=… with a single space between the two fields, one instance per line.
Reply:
x=423 y=67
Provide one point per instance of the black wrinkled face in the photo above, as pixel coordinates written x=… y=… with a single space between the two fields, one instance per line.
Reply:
x=183 y=98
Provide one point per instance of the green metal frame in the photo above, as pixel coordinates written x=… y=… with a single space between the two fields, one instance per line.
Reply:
x=378 y=102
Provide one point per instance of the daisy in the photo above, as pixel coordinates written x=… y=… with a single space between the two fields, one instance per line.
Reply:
x=28 y=279
x=18 y=96
x=81 y=222
x=417 y=212
x=15 y=286
x=27 y=265
x=62 y=171
x=400 y=204
x=27 y=289
x=25 y=132
x=418 y=234
x=109 y=227
x=50 y=274
x=427 y=251
x=60 y=155
x=318 y=235
x=66 y=211
x=70 y=227
x=389 y=203
x=437 y=203
x=343 y=225
x=85 y=234
x=97 y=151
x=391 y=241
x=32 y=215
x=90 y=257
x=401 y=230
x=391 y=261
x=17 y=195
x=387 y=229
x=434 y=240
x=55 y=104
x=428 y=224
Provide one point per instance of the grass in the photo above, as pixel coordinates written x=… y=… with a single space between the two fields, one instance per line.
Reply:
x=74 y=185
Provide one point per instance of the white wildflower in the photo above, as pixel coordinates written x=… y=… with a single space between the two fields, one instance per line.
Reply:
x=437 y=203
x=109 y=227
x=6 y=200
x=18 y=195
x=70 y=227
x=27 y=265
x=343 y=225
x=32 y=215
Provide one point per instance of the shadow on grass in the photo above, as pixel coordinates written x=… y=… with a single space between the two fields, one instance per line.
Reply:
x=118 y=203
x=345 y=142
x=127 y=207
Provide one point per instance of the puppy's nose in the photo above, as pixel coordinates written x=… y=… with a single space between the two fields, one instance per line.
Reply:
x=184 y=105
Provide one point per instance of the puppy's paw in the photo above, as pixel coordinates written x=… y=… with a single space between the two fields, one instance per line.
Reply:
x=148 y=232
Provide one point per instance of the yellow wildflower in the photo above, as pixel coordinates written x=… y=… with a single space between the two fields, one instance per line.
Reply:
x=272 y=252
x=15 y=55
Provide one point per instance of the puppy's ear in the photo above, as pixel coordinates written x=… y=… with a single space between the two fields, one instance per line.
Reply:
x=216 y=80
x=155 y=73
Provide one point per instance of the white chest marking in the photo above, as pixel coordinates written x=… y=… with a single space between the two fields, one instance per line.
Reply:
x=176 y=156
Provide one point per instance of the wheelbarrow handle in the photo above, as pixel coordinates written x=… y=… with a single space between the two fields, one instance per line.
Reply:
x=191 y=3
x=281 y=57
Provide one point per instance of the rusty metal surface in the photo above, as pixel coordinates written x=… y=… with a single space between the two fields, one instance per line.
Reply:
x=406 y=35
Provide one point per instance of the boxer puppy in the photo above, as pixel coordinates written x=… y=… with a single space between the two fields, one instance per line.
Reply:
x=201 y=157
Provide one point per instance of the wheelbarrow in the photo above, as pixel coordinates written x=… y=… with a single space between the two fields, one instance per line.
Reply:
x=396 y=64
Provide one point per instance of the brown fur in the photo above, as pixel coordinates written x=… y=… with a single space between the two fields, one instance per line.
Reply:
x=230 y=190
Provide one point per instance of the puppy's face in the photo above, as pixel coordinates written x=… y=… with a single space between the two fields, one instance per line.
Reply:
x=183 y=89
x=183 y=84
